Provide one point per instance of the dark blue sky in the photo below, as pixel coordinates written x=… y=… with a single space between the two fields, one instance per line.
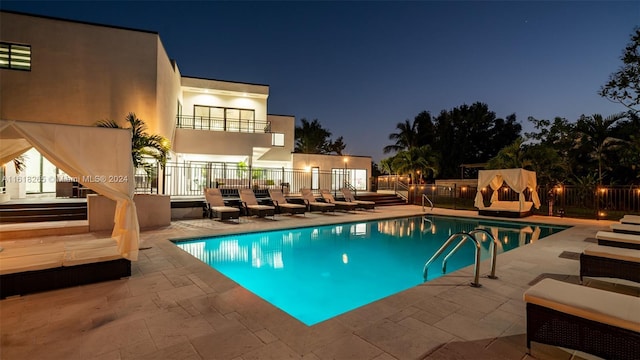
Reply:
x=362 y=67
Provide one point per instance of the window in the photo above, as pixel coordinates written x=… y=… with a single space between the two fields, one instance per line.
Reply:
x=223 y=119
x=14 y=56
x=277 y=139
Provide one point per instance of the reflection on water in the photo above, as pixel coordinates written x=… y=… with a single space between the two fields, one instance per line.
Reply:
x=269 y=249
x=316 y=273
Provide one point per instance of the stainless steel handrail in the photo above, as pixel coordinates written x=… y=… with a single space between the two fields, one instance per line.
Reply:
x=424 y=196
x=440 y=251
x=476 y=271
x=493 y=248
x=465 y=236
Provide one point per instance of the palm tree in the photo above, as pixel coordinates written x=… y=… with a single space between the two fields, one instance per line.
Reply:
x=312 y=138
x=511 y=156
x=142 y=144
x=596 y=136
x=421 y=158
x=406 y=137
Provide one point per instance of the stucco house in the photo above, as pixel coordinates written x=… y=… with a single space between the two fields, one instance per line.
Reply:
x=70 y=72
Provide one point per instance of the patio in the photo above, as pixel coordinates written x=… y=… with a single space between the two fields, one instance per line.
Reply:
x=175 y=307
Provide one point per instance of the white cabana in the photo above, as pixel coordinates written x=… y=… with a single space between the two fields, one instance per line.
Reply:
x=517 y=179
x=100 y=158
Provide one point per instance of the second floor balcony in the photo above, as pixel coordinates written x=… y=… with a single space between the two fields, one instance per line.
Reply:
x=222 y=124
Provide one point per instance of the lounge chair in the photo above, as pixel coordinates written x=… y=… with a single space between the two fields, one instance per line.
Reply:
x=252 y=207
x=313 y=204
x=340 y=205
x=625 y=229
x=362 y=204
x=595 y=321
x=615 y=239
x=612 y=262
x=630 y=219
x=217 y=208
x=283 y=206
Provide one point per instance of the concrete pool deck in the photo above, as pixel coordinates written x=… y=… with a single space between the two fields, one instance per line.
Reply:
x=176 y=307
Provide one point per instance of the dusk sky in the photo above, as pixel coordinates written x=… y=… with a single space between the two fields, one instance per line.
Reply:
x=362 y=67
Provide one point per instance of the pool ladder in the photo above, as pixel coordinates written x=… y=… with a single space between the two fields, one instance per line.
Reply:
x=464 y=236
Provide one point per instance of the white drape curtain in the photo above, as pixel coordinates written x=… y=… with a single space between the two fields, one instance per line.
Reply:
x=517 y=179
x=100 y=158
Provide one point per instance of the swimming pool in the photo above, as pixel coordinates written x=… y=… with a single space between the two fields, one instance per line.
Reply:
x=319 y=272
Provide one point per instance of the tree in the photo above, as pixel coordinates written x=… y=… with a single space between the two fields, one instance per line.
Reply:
x=312 y=138
x=511 y=156
x=142 y=144
x=416 y=159
x=420 y=132
x=624 y=85
x=596 y=136
x=405 y=138
x=471 y=134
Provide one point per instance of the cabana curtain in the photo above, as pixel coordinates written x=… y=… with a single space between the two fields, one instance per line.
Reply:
x=100 y=158
x=517 y=179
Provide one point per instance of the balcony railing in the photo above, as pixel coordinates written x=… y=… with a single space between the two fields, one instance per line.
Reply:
x=222 y=124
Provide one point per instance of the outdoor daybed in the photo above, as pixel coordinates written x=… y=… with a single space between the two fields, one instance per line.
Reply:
x=612 y=262
x=43 y=267
x=595 y=321
x=628 y=241
x=517 y=179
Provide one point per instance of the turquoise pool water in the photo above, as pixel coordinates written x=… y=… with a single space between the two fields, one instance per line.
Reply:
x=319 y=272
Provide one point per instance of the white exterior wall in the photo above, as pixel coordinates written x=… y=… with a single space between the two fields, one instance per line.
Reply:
x=80 y=73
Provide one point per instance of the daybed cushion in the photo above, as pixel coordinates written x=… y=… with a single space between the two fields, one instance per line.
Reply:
x=89 y=244
x=86 y=256
x=588 y=303
x=34 y=249
x=510 y=206
x=614 y=253
x=618 y=237
x=19 y=264
x=625 y=228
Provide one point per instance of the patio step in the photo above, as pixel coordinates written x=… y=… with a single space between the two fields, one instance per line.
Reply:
x=382 y=199
x=42 y=211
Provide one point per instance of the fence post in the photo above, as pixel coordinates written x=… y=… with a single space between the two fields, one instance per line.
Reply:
x=454 y=195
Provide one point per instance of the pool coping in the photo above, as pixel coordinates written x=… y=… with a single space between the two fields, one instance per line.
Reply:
x=176 y=306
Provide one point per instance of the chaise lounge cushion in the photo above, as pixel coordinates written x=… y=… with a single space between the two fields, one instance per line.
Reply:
x=617 y=237
x=594 y=304
x=631 y=219
x=613 y=253
x=625 y=228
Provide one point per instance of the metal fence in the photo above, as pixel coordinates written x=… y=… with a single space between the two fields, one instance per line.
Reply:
x=189 y=180
x=592 y=202
x=223 y=124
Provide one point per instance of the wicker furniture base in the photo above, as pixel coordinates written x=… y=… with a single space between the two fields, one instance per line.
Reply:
x=505 y=213
x=28 y=282
x=551 y=327
x=597 y=266
x=620 y=244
